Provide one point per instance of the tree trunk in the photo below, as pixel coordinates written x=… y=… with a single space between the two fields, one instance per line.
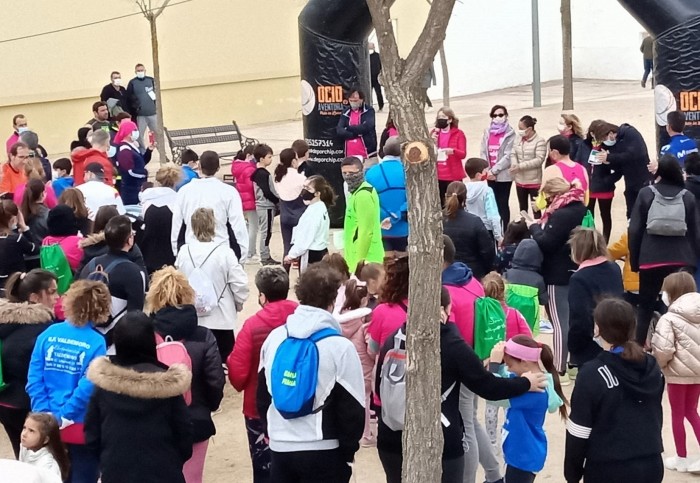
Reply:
x=567 y=61
x=160 y=136
x=445 y=76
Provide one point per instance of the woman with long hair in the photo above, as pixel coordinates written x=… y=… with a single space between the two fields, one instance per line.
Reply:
x=451 y=144
x=75 y=199
x=34 y=211
x=15 y=242
x=242 y=170
x=473 y=243
x=34 y=170
x=392 y=310
x=289 y=184
x=570 y=126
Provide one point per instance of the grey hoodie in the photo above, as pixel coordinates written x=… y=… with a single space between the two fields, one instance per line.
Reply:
x=527 y=265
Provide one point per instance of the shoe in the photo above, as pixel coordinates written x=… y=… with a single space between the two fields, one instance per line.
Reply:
x=546 y=327
x=270 y=261
x=572 y=372
x=644 y=84
x=370 y=442
x=565 y=380
x=681 y=464
x=254 y=260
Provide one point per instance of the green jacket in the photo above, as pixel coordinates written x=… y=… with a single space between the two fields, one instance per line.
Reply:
x=362 y=228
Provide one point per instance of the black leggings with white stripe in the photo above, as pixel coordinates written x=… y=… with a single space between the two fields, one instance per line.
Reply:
x=558 y=311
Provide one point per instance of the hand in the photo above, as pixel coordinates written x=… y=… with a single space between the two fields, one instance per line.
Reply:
x=497 y=353
x=602 y=157
x=288 y=260
x=152 y=146
x=449 y=151
x=538 y=381
x=514 y=169
x=386 y=223
x=534 y=207
x=653 y=166
x=490 y=176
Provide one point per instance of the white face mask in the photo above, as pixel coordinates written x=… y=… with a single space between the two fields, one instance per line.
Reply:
x=522 y=132
x=22 y=129
x=610 y=142
x=135 y=135
x=562 y=127
x=665 y=299
x=111 y=151
x=117 y=82
x=141 y=74
x=54 y=174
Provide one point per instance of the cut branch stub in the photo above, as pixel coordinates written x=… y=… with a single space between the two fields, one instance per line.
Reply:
x=417 y=152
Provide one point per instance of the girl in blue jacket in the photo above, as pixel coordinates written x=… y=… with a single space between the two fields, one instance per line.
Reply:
x=524 y=440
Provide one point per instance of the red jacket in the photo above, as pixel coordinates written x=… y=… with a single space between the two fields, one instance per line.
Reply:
x=83 y=157
x=453 y=169
x=243 y=172
x=243 y=362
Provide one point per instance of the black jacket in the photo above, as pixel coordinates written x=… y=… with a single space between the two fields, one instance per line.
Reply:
x=553 y=241
x=207 y=372
x=653 y=249
x=95 y=246
x=602 y=177
x=586 y=288
x=527 y=268
x=138 y=422
x=458 y=365
x=616 y=414
x=375 y=65
x=111 y=92
x=20 y=325
x=575 y=142
x=366 y=130
x=473 y=243
x=630 y=156
x=692 y=184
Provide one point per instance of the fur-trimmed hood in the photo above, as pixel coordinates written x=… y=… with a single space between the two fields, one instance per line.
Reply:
x=91 y=240
x=142 y=381
x=24 y=313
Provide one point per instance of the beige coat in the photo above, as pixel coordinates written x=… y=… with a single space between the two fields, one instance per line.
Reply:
x=529 y=156
x=676 y=341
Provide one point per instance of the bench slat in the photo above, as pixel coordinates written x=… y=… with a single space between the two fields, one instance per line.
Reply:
x=193 y=141
x=199 y=131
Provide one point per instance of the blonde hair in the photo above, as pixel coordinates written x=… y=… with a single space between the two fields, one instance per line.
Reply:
x=678 y=284
x=450 y=114
x=204 y=224
x=575 y=123
x=87 y=301
x=556 y=187
x=169 y=288
x=587 y=244
x=33 y=169
x=494 y=286
x=169 y=175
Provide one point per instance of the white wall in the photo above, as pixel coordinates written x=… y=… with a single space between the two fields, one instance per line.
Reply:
x=489 y=44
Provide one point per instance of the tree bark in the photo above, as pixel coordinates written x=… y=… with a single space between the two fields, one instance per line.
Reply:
x=445 y=76
x=567 y=61
x=422 y=436
x=160 y=137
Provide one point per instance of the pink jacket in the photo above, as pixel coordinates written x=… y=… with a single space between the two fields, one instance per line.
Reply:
x=352 y=323
x=515 y=323
x=243 y=172
x=386 y=318
x=70 y=246
x=50 y=200
x=463 y=299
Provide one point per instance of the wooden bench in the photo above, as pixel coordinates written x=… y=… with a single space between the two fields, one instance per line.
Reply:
x=181 y=139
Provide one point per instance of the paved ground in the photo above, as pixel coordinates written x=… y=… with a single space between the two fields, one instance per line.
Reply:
x=618 y=102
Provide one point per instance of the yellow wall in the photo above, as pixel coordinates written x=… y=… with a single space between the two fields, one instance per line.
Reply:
x=220 y=60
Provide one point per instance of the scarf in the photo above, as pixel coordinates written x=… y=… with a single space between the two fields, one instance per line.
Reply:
x=574 y=194
x=354 y=180
x=496 y=128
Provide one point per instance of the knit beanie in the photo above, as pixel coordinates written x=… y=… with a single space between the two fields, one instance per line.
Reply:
x=62 y=221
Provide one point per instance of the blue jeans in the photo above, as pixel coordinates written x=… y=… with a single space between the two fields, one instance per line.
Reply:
x=84 y=464
x=648 y=66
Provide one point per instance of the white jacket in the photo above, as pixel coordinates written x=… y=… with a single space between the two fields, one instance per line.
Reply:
x=311 y=233
x=290 y=186
x=157 y=196
x=97 y=194
x=43 y=461
x=226 y=274
x=223 y=199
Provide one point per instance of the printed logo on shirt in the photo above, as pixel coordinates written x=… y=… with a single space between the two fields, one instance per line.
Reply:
x=610 y=380
x=65 y=355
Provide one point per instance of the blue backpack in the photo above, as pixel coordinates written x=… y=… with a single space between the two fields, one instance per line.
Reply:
x=294 y=374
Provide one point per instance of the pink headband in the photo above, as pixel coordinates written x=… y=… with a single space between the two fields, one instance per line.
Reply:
x=530 y=354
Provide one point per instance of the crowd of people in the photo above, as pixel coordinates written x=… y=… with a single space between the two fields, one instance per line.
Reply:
x=121 y=298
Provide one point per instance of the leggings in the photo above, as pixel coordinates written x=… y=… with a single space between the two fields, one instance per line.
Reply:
x=684 y=405
x=558 y=311
x=605 y=214
x=392 y=463
x=525 y=197
x=224 y=341
x=501 y=191
x=193 y=469
x=260 y=455
x=649 y=469
x=515 y=475
x=650 y=282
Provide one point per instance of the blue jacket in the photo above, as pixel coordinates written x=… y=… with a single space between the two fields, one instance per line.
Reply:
x=59 y=185
x=389 y=179
x=188 y=174
x=366 y=130
x=680 y=146
x=132 y=168
x=57 y=382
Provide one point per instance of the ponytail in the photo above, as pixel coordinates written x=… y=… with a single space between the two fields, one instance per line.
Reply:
x=21 y=285
x=455 y=198
x=287 y=156
x=354 y=293
x=547 y=359
x=632 y=352
x=494 y=286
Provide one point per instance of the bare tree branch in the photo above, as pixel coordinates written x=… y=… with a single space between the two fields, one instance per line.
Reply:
x=160 y=10
x=142 y=6
x=429 y=41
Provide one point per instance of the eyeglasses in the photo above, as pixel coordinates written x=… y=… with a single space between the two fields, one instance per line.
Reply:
x=32 y=155
x=497 y=115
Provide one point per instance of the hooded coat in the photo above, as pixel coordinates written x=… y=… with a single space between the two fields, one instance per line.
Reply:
x=242 y=171
x=208 y=379
x=82 y=157
x=138 y=421
x=157 y=226
x=473 y=243
x=352 y=325
x=527 y=265
x=676 y=340
x=20 y=325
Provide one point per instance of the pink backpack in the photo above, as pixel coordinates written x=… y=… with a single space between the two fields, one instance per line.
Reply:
x=173 y=352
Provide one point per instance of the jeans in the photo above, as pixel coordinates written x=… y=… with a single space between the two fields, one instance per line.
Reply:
x=251 y=220
x=477 y=447
x=84 y=464
x=259 y=450
x=558 y=311
x=648 y=66
x=501 y=191
x=142 y=122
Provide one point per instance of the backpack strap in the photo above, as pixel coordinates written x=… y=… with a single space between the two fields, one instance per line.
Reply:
x=114 y=263
x=321 y=334
x=189 y=252
x=399 y=339
x=403 y=306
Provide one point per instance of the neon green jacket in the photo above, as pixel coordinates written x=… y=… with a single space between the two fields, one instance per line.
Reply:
x=362 y=228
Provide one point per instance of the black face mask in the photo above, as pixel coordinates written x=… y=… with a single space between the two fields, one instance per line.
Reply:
x=441 y=123
x=307 y=195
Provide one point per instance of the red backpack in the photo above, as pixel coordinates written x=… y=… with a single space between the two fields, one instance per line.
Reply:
x=173 y=352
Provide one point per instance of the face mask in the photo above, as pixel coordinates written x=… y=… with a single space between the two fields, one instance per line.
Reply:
x=22 y=129
x=608 y=142
x=355 y=105
x=135 y=135
x=111 y=151
x=307 y=195
x=54 y=174
x=117 y=82
x=141 y=74
x=521 y=133
x=499 y=120
x=665 y=299
x=354 y=180
x=598 y=340
x=441 y=123
x=562 y=128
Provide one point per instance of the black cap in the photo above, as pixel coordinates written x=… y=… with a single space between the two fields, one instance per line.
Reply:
x=95 y=168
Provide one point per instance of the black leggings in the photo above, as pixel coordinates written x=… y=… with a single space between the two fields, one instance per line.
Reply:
x=640 y=470
x=224 y=341
x=313 y=466
x=442 y=187
x=650 y=282
x=525 y=197
x=605 y=206
x=452 y=469
x=501 y=190
x=13 y=421
x=516 y=475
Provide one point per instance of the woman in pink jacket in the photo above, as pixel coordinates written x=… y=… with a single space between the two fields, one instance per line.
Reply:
x=451 y=144
x=242 y=170
x=63 y=230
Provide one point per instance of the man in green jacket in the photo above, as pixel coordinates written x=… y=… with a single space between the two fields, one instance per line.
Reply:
x=362 y=228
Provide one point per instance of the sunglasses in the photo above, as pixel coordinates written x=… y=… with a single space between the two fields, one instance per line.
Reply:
x=497 y=115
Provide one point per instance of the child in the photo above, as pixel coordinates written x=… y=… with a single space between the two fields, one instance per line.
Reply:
x=353 y=323
x=273 y=286
x=265 y=200
x=337 y=262
x=15 y=243
x=526 y=267
x=61 y=175
x=630 y=280
x=243 y=170
x=524 y=441
x=515 y=233
x=63 y=231
x=310 y=236
x=676 y=347
x=42 y=447
x=480 y=198
x=190 y=164
x=301 y=148
x=373 y=275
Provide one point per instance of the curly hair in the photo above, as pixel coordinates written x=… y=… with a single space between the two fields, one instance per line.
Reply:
x=169 y=288
x=169 y=175
x=87 y=301
x=318 y=286
x=395 y=289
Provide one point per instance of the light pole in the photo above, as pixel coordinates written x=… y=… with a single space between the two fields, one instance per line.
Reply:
x=536 y=82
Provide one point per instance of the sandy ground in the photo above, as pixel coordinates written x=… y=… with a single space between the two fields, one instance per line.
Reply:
x=618 y=102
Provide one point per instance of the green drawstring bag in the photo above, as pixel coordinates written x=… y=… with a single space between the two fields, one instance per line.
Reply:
x=489 y=325
x=588 y=220
x=526 y=300
x=3 y=384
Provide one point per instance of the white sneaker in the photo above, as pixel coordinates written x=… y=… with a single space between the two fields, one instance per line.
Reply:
x=254 y=260
x=680 y=464
x=546 y=327
x=693 y=467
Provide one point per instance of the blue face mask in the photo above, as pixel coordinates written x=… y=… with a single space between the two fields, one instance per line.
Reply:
x=609 y=142
x=135 y=135
x=22 y=129
x=111 y=151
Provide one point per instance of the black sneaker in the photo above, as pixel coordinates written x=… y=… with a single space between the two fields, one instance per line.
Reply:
x=270 y=261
